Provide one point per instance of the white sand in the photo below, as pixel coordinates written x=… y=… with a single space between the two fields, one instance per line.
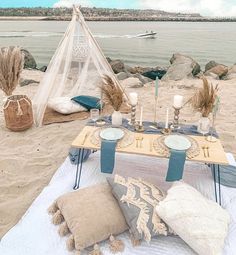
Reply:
x=29 y=159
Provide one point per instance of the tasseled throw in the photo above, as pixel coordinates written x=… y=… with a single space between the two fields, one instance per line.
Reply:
x=57 y=218
x=135 y=242
x=96 y=250
x=70 y=243
x=63 y=229
x=53 y=208
x=116 y=245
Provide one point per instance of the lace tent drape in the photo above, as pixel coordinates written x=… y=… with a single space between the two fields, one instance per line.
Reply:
x=76 y=68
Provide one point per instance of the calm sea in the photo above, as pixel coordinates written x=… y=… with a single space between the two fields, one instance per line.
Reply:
x=203 y=41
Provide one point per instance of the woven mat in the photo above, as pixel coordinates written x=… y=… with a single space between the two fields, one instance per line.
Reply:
x=163 y=150
x=51 y=116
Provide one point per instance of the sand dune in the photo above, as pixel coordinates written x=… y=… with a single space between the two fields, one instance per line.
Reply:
x=29 y=159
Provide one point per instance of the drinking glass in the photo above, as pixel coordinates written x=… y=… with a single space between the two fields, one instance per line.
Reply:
x=94 y=115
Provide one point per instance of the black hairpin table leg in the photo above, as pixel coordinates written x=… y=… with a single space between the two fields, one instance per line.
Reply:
x=79 y=169
x=216 y=171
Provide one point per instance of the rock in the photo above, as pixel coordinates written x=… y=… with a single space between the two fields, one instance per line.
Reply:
x=132 y=82
x=231 y=73
x=219 y=70
x=27 y=82
x=29 y=61
x=212 y=75
x=210 y=65
x=43 y=68
x=122 y=75
x=117 y=66
x=142 y=78
x=108 y=60
x=139 y=69
x=181 y=67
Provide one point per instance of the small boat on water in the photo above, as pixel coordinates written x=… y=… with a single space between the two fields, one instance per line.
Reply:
x=150 y=35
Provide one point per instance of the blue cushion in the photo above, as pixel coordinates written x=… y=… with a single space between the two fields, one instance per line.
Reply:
x=88 y=102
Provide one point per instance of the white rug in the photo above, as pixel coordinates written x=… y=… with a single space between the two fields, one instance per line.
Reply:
x=35 y=235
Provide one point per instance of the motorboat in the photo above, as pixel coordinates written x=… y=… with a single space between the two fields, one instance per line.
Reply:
x=150 y=35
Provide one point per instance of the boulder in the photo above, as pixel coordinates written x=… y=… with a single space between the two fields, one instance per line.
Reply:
x=139 y=69
x=142 y=78
x=211 y=75
x=108 y=60
x=181 y=67
x=132 y=82
x=231 y=73
x=29 y=61
x=117 y=66
x=155 y=73
x=43 y=68
x=122 y=75
x=210 y=65
x=219 y=70
x=27 y=82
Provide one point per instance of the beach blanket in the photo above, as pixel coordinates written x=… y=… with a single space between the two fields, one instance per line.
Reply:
x=35 y=234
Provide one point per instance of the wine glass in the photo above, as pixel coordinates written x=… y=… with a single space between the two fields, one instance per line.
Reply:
x=94 y=115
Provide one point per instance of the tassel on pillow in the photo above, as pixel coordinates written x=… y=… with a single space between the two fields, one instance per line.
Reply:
x=116 y=245
x=96 y=250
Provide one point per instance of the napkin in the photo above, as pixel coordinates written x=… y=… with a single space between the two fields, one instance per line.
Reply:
x=176 y=165
x=107 y=160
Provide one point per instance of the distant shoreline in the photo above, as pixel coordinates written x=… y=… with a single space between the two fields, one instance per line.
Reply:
x=104 y=19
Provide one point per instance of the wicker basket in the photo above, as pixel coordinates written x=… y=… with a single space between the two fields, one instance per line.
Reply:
x=18 y=113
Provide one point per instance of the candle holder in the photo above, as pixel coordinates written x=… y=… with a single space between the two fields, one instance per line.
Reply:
x=175 y=124
x=139 y=128
x=166 y=131
x=133 y=114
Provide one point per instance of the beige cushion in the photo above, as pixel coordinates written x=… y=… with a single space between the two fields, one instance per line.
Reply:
x=200 y=222
x=91 y=214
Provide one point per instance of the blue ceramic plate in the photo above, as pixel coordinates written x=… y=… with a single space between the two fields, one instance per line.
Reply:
x=112 y=134
x=177 y=142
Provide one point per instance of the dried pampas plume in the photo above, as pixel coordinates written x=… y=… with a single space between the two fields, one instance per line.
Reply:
x=112 y=94
x=11 y=65
x=204 y=99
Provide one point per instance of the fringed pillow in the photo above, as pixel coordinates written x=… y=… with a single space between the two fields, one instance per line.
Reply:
x=137 y=200
x=200 y=222
x=89 y=216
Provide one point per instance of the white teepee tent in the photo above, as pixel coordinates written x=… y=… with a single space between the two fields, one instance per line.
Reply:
x=76 y=68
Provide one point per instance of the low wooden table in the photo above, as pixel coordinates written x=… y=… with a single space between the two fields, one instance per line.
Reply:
x=216 y=157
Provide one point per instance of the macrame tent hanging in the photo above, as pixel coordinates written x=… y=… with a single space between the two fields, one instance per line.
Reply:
x=76 y=68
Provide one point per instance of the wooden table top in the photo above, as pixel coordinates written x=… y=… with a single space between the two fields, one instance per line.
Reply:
x=216 y=151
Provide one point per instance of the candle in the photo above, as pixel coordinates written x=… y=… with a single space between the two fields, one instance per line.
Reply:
x=178 y=101
x=156 y=87
x=167 y=118
x=141 y=116
x=133 y=96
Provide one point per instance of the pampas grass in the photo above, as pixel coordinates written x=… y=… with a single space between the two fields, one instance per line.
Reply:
x=204 y=99
x=112 y=94
x=11 y=65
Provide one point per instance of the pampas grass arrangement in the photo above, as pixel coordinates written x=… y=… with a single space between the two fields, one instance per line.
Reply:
x=11 y=65
x=204 y=99
x=112 y=94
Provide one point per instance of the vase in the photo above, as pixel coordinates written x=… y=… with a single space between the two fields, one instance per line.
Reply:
x=116 y=118
x=203 y=125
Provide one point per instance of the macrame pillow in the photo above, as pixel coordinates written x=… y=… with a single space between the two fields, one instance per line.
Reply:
x=89 y=215
x=64 y=105
x=200 y=222
x=137 y=200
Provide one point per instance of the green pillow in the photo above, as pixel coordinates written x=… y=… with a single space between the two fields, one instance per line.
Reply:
x=88 y=102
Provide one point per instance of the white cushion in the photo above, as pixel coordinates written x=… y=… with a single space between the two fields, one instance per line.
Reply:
x=65 y=105
x=200 y=222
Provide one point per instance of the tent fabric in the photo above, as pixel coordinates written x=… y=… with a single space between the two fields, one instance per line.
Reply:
x=76 y=68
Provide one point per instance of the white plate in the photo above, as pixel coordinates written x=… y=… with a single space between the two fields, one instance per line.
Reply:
x=112 y=134
x=177 y=142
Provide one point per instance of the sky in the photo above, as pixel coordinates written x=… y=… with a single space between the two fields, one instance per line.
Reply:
x=204 y=7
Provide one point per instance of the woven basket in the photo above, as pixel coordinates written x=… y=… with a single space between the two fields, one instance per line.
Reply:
x=18 y=113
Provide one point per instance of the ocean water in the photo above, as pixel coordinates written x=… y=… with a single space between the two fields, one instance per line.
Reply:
x=203 y=41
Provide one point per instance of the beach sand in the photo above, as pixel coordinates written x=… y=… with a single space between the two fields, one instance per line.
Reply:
x=29 y=159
